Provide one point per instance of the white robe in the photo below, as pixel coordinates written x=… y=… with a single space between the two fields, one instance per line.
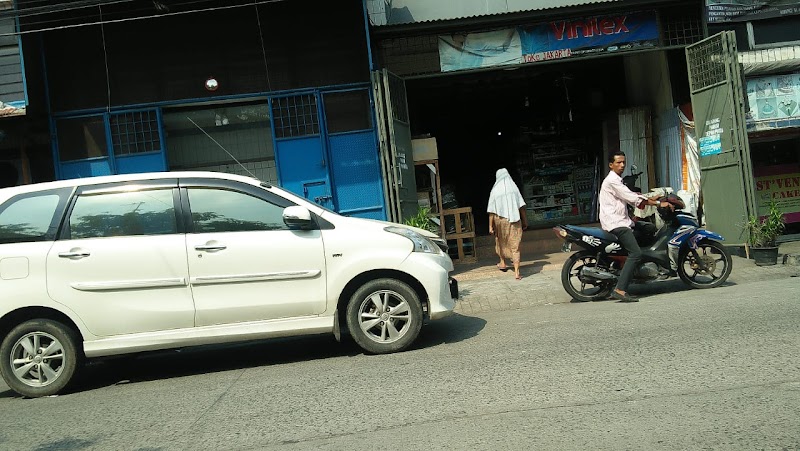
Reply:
x=505 y=199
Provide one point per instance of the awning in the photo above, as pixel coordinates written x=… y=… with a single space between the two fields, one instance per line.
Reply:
x=399 y=12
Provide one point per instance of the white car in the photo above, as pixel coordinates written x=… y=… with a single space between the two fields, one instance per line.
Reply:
x=121 y=264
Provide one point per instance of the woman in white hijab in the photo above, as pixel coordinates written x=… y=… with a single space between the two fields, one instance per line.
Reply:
x=507 y=220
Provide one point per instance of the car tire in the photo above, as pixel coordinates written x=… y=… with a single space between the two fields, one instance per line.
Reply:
x=49 y=351
x=384 y=316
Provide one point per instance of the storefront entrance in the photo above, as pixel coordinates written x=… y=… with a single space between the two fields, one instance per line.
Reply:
x=551 y=125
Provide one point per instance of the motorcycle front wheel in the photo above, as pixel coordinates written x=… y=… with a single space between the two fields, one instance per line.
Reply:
x=583 y=289
x=711 y=271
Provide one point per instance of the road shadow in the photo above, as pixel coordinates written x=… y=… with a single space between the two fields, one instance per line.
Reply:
x=667 y=286
x=8 y=394
x=655 y=288
x=163 y=365
x=168 y=364
x=157 y=365
x=452 y=329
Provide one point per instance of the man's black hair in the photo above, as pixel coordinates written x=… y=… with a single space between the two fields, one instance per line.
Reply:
x=614 y=155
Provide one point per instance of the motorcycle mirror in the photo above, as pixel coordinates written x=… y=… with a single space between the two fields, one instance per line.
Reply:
x=633 y=168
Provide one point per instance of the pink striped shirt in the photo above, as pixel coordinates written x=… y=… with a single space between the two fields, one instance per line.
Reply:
x=614 y=197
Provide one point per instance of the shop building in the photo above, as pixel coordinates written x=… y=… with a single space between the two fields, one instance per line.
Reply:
x=768 y=43
x=545 y=89
x=15 y=165
x=276 y=89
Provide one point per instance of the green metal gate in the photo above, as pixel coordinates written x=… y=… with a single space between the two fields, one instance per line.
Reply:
x=718 y=98
x=394 y=136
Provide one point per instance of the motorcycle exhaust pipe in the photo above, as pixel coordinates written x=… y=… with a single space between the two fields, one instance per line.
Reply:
x=597 y=274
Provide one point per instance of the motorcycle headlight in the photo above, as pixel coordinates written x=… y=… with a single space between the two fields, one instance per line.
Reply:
x=421 y=243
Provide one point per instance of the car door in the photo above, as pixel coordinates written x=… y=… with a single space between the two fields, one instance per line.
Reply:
x=245 y=264
x=120 y=261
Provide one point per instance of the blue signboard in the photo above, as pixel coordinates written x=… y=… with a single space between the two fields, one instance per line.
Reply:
x=549 y=41
x=710 y=145
x=564 y=38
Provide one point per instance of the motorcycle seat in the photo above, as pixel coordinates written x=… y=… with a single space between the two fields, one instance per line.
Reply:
x=594 y=231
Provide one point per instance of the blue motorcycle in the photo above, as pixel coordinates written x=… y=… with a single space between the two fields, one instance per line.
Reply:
x=679 y=248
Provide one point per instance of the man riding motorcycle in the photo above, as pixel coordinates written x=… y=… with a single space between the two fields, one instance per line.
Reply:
x=614 y=198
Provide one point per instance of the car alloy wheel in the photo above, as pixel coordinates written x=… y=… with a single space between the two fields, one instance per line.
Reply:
x=40 y=357
x=37 y=359
x=384 y=315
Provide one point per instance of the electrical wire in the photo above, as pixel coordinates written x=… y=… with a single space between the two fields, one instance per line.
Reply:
x=77 y=18
x=105 y=60
x=263 y=48
x=131 y=19
x=40 y=10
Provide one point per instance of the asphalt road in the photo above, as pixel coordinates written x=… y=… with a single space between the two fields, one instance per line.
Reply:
x=698 y=369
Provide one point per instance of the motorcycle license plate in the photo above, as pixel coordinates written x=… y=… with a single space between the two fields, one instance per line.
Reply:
x=567 y=247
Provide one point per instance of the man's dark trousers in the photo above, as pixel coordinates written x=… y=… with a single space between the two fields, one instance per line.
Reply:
x=628 y=241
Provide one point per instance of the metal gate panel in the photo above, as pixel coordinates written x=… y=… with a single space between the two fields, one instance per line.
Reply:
x=357 y=175
x=300 y=154
x=384 y=152
x=395 y=141
x=300 y=162
x=718 y=103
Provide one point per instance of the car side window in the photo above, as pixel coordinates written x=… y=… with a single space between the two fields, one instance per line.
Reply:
x=220 y=210
x=146 y=212
x=28 y=219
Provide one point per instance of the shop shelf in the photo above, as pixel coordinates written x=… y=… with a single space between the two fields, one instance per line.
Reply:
x=543 y=207
x=551 y=194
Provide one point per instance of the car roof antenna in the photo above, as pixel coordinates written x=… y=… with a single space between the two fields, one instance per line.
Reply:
x=223 y=148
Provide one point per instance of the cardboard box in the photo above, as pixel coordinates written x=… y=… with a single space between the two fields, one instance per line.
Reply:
x=424 y=149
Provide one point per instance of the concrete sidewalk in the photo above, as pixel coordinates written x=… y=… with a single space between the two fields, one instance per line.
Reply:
x=484 y=288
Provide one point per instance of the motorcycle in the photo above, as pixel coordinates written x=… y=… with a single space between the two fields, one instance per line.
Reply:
x=680 y=248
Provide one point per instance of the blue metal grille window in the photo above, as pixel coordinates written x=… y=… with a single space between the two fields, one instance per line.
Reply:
x=135 y=132
x=295 y=116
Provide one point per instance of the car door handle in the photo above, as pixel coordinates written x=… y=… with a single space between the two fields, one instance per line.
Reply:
x=208 y=247
x=75 y=254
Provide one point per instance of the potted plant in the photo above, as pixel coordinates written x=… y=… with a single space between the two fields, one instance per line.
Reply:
x=762 y=233
x=422 y=220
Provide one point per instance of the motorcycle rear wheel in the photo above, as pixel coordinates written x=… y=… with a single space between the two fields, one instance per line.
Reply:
x=718 y=263
x=587 y=289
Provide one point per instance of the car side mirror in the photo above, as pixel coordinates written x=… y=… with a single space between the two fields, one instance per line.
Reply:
x=297 y=217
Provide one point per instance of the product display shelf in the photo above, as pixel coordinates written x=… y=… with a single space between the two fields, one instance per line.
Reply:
x=570 y=219
x=459 y=227
x=553 y=194
x=544 y=207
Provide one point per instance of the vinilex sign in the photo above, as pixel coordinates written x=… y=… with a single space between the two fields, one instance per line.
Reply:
x=549 y=40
